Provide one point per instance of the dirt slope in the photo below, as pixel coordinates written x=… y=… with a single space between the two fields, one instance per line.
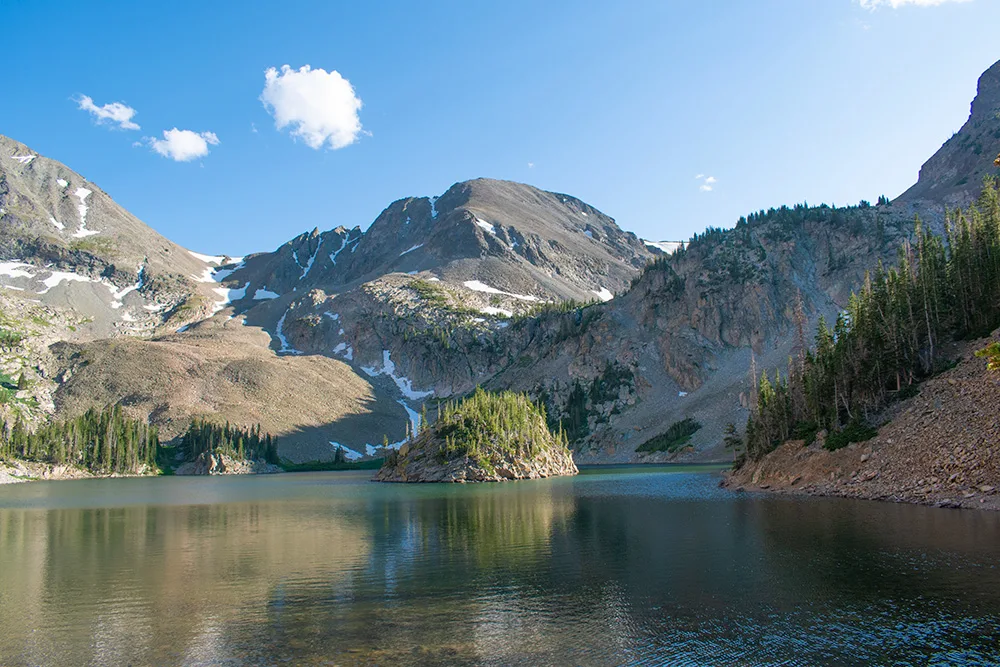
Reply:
x=227 y=371
x=941 y=447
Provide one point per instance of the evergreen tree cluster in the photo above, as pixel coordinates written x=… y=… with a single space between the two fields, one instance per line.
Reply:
x=102 y=441
x=240 y=443
x=485 y=424
x=888 y=339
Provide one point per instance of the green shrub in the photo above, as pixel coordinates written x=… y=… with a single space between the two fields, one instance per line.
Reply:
x=855 y=431
x=675 y=437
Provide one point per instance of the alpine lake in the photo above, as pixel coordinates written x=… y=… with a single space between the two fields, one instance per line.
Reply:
x=619 y=565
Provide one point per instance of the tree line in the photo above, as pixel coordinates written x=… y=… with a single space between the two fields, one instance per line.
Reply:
x=102 y=441
x=890 y=335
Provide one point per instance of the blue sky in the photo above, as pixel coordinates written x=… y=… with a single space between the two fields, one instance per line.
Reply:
x=621 y=104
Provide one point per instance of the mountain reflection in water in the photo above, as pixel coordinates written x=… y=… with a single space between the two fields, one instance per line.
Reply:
x=611 y=567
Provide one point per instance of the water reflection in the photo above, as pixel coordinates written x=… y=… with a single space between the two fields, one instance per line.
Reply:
x=602 y=569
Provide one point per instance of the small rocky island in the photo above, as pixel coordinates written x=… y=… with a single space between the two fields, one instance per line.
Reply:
x=486 y=437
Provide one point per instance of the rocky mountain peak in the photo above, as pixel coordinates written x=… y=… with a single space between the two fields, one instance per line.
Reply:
x=953 y=176
x=987 y=101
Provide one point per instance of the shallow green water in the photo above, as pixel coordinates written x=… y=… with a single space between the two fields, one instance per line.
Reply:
x=619 y=566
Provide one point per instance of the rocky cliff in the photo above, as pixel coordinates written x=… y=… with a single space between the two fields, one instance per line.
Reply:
x=953 y=176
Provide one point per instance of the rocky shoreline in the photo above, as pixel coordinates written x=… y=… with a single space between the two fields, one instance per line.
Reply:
x=17 y=471
x=210 y=463
x=940 y=448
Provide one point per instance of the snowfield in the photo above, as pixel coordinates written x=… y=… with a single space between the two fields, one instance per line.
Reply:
x=477 y=286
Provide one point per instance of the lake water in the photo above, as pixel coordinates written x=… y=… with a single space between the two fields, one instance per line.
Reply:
x=618 y=566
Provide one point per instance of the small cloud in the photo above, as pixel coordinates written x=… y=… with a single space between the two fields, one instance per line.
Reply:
x=183 y=145
x=872 y=5
x=253 y=127
x=706 y=182
x=531 y=165
x=321 y=107
x=114 y=112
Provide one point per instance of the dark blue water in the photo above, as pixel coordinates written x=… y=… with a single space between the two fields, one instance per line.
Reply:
x=611 y=567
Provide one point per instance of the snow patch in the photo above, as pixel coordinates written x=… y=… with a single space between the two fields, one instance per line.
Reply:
x=64 y=276
x=333 y=255
x=227 y=296
x=490 y=310
x=11 y=269
x=477 y=286
x=404 y=383
x=118 y=294
x=345 y=350
x=486 y=226
x=332 y=316
x=280 y=333
x=408 y=250
x=434 y=211
x=264 y=293
x=82 y=208
x=604 y=294
x=24 y=159
x=668 y=247
x=682 y=394
x=310 y=261
x=414 y=416
x=62 y=183
x=208 y=259
x=589 y=234
x=349 y=453
x=60 y=226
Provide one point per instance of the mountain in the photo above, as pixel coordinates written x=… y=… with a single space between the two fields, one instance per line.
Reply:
x=953 y=176
x=511 y=236
x=338 y=338
x=105 y=310
x=68 y=243
x=175 y=335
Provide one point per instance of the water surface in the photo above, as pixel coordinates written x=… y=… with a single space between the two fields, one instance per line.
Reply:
x=620 y=566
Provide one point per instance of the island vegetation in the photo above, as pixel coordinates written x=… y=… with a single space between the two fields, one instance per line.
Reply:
x=485 y=437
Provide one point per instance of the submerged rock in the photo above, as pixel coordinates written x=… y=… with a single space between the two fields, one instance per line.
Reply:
x=486 y=438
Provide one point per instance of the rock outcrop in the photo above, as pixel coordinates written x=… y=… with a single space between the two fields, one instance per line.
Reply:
x=214 y=463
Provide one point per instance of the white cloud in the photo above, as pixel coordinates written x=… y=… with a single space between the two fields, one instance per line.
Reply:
x=113 y=112
x=531 y=165
x=183 y=145
x=320 y=106
x=706 y=182
x=872 y=5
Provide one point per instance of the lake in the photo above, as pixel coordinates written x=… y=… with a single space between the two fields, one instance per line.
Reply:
x=615 y=566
